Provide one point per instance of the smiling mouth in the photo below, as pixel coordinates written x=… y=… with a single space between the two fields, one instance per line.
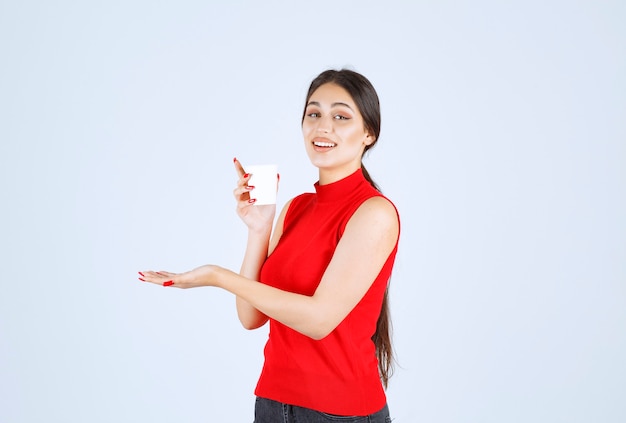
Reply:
x=323 y=144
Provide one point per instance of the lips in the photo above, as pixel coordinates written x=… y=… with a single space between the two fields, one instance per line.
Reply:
x=323 y=143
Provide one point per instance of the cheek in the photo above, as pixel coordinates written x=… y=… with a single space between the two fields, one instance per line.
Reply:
x=306 y=129
x=306 y=136
x=354 y=135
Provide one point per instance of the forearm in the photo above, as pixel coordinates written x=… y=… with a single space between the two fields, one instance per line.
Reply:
x=254 y=257
x=256 y=253
x=299 y=312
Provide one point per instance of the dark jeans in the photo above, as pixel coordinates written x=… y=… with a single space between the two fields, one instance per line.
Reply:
x=268 y=411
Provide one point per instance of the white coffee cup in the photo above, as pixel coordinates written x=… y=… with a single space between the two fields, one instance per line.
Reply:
x=264 y=179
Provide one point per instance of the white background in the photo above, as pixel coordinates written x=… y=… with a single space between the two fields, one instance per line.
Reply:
x=503 y=145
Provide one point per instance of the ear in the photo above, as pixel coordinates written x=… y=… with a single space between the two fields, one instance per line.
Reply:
x=369 y=139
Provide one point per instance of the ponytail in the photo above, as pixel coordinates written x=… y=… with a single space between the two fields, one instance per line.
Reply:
x=382 y=340
x=369 y=178
x=382 y=336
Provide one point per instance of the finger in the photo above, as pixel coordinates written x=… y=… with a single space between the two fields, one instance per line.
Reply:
x=153 y=277
x=243 y=204
x=242 y=193
x=239 y=168
x=242 y=189
x=148 y=279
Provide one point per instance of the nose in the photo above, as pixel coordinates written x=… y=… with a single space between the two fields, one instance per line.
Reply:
x=324 y=124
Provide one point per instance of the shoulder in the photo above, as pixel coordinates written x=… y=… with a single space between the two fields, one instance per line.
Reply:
x=305 y=196
x=300 y=201
x=378 y=210
x=296 y=205
x=376 y=224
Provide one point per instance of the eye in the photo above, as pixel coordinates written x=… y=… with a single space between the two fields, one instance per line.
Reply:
x=341 y=117
x=313 y=114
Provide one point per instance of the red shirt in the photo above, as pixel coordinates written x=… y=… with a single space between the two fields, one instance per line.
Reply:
x=337 y=374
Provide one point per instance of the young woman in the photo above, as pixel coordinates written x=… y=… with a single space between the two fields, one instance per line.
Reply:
x=321 y=277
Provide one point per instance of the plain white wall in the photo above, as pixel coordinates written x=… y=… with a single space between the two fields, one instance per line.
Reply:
x=503 y=145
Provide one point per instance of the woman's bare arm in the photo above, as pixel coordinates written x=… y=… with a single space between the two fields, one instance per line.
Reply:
x=369 y=238
x=258 y=248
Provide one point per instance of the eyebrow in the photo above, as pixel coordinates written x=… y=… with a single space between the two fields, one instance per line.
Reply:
x=338 y=103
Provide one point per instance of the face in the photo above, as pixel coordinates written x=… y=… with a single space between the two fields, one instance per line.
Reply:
x=334 y=134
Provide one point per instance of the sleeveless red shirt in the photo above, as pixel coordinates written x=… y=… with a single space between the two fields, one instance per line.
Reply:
x=337 y=374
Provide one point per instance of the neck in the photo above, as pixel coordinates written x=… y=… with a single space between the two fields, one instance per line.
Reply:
x=328 y=176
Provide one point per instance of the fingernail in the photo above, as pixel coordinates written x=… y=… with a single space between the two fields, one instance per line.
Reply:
x=246 y=175
x=141 y=274
x=249 y=186
x=252 y=200
x=234 y=159
x=168 y=283
x=278 y=175
x=142 y=280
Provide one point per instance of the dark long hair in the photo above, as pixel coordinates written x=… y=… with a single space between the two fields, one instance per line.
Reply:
x=364 y=95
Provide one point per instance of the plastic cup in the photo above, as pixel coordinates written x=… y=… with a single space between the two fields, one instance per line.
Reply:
x=264 y=179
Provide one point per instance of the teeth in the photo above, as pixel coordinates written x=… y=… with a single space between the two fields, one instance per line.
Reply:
x=324 y=144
